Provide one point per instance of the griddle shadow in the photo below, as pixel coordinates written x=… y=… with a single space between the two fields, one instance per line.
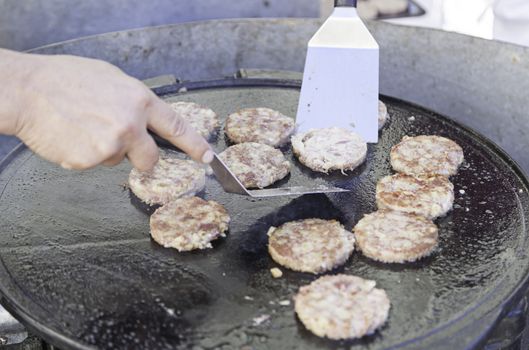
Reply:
x=254 y=241
x=150 y=209
x=304 y=278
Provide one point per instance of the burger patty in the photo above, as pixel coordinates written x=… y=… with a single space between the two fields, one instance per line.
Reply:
x=202 y=119
x=311 y=245
x=329 y=149
x=395 y=237
x=189 y=223
x=426 y=155
x=342 y=307
x=170 y=179
x=261 y=125
x=256 y=165
x=429 y=196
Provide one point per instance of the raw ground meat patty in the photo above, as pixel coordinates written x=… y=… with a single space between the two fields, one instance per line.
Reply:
x=429 y=196
x=170 y=179
x=426 y=154
x=395 y=237
x=202 y=119
x=311 y=245
x=342 y=307
x=329 y=149
x=256 y=165
x=189 y=223
x=261 y=125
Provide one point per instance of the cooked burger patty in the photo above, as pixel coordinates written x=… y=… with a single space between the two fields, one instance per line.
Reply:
x=383 y=115
x=256 y=165
x=429 y=196
x=170 y=179
x=202 y=119
x=311 y=245
x=261 y=125
x=342 y=307
x=189 y=223
x=426 y=154
x=395 y=237
x=329 y=149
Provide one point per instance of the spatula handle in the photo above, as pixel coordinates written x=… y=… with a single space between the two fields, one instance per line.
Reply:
x=344 y=3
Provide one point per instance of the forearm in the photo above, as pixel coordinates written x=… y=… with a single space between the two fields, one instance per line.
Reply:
x=15 y=68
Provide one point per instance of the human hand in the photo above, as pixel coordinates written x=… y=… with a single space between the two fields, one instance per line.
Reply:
x=81 y=112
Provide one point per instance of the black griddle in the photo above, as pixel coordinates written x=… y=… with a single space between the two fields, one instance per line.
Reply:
x=79 y=269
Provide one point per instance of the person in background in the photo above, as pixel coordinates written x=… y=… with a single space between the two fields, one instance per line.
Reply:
x=80 y=113
x=511 y=21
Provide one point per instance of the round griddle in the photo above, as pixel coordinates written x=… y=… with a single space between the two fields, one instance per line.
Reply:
x=79 y=269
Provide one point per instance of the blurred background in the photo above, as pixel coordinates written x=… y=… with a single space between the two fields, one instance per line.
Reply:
x=26 y=24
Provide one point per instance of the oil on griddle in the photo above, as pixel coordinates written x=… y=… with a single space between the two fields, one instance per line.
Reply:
x=77 y=258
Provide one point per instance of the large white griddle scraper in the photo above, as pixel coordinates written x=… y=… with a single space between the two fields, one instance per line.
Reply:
x=340 y=80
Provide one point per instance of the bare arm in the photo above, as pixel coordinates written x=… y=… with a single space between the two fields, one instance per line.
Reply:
x=81 y=112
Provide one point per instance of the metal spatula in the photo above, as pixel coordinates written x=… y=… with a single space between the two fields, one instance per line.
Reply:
x=340 y=81
x=231 y=184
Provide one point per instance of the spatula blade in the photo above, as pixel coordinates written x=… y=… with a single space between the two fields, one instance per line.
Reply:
x=294 y=191
x=231 y=184
x=340 y=80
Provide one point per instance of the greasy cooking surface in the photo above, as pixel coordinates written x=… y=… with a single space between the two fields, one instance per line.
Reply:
x=78 y=265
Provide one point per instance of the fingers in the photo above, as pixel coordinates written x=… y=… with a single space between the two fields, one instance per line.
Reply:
x=143 y=153
x=163 y=121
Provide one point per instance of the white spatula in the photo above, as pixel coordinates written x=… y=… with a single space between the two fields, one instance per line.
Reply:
x=340 y=81
x=231 y=184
